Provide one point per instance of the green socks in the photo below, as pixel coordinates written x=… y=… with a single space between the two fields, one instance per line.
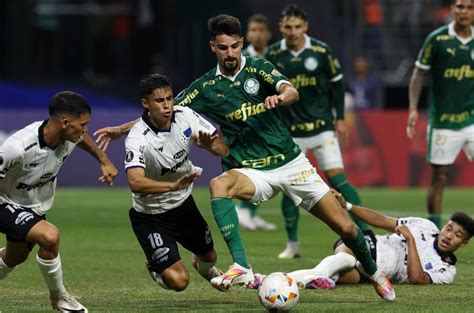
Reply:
x=340 y=183
x=362 y=253
x=228 y=223
x=250 y=206
x=291 y=214
x=436 y=219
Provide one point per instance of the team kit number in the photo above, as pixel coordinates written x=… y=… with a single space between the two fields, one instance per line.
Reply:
x=155 y=240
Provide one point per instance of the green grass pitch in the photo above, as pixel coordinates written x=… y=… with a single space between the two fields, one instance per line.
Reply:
x=104 y=265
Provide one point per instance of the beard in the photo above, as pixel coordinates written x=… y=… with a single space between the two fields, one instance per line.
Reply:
x=230 y=68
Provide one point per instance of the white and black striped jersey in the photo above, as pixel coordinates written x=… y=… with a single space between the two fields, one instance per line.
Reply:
x=164 y=154
x=28 y=168
x=392 y=253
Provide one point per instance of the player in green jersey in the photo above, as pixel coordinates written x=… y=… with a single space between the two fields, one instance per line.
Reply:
x=448 y=53
x=241 y=95
x=316 y=73
x=258 y=36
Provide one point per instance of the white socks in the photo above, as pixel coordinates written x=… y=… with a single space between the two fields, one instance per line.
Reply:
x=330 y=267
x=203 y=268
x=159 y=279
x=52 y=275
x=4 y=269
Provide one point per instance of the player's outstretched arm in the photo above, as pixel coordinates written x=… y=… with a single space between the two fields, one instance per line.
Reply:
x=416 y=274
x=211 y=142
x=107 y=167
x=414 y=92
x=107 y=134
x=286 y=96
x=367 y=215
x=140 y=184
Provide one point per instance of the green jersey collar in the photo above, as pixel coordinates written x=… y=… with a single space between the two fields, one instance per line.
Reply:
x=453 y=33
x=307 y=45
x=243 y=60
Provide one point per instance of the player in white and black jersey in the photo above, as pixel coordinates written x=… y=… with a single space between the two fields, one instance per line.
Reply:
x=30 y=160
x=416 y=251
x=161 y=176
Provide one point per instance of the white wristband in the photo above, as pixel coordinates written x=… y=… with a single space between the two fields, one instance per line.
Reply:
x=348 y=206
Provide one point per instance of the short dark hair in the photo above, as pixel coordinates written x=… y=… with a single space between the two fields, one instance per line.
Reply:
x=293 y=10
x=152 y=82
x=259 y=18
x=68 y=102
x=224 y=24
x=465 y=221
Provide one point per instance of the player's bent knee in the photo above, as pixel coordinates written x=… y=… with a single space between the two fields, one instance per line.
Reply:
x=347 y=230
x=218 y=186
x=177 y=282
x=50 y=239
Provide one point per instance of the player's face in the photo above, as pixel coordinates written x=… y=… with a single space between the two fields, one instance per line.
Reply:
x=227 y=49
x=293 y=28
x=463 y=12
x=160 y=105
x=452 y=237
x=258 y=35
x=75 y=127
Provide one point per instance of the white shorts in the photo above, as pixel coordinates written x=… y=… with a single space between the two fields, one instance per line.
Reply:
x=297 y=179
x=444 y=145
x=325 y=147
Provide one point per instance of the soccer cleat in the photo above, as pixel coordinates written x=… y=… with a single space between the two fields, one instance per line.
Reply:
x=260 y=223
x=292 y=251
x=382 y=284
x=67 y=303
x=257 y=280
x=316 y=282
x=235 y=275
x=245 y=220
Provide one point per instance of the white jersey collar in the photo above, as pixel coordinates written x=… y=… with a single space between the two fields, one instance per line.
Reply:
x=453 y=33
x=307 y=44
x=243 y=60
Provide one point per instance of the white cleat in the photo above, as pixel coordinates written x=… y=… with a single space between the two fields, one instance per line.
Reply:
x=382 y=284
x=235 y=275
x=245 y=220
x=67 y=303
x=316 y=282
x=292 y=251
x=257 y=280
x=260 y=223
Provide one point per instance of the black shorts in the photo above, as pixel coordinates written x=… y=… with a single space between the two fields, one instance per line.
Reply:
x=16 y=221
x=159 y=233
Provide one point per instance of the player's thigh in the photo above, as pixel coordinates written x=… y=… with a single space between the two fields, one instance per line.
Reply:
x=17 y=221
x=16 y=252
x=255 y=185
x=192 y=232
x=157 y=241
x=469 y=143
x=232 y=184
x=300 y=181
x=444 y=145
x=327 y=151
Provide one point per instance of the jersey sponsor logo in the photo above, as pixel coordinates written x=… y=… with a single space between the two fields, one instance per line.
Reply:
x=426 y=54
x=459 y=73
x=30 y=146
x=245 y=111
x=209 y=83
x=159 y=253
x=160 y=149
x=179 y=154
x=34 y=186
x=31 y=165
x=251 y=69
x=310 y=63
x=451 y=51
x=251 y=86
x=304 y=177
x=207 y=236
x=129 y=156
x=47 y=175
x=175 y=167
x=303 y=81
x=23 y=217
x=455 y=118
x=318 y=49
x=146 y=131
x=308 y=127
x=264 y=162
x=266 y=77
x=443 y=37
x=189 y=97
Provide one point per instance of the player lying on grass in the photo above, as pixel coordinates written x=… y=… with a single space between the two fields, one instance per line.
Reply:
x=161 y=178
x=415 y=252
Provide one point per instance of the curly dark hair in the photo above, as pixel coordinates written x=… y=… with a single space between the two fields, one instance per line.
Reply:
x=152 y=82
x=224 y=24
x=465 y=221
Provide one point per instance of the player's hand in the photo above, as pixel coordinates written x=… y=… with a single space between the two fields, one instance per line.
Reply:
x=106 y=135
x=404 y=231
x=109 y=172
x=205 y=140
x=186 y=180
x=341 y=131
x=339 y=197
x=412 y=118
x=273 y=101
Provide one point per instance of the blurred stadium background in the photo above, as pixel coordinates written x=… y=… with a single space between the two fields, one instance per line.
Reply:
x=102 y=48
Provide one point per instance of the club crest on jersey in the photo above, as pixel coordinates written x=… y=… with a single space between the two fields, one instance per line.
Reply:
x=310 y=63
x=129 y=156
x=251 y=86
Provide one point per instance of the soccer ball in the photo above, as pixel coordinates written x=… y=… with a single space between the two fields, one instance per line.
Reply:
x=278 y=292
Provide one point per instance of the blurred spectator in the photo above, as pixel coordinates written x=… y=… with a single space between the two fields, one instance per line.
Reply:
x=372 y=39
x=365 y=86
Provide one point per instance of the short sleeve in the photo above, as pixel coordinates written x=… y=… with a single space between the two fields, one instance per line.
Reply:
x=10 y=156
x=426 y=54
x=268 y=74
x=197 y=122
x=134 y=153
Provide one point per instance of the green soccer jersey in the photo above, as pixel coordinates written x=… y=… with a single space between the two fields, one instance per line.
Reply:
x=312 y=71
x=451 y=61
x=257 y=137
